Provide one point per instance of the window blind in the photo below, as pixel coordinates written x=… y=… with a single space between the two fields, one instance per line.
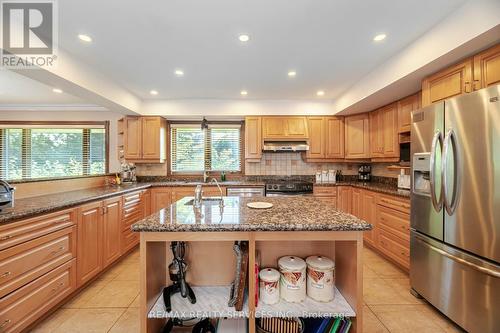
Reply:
x=217 y=148
x=52 y=151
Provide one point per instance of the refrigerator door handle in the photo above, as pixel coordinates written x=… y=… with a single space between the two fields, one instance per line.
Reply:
x=437 y=203
x=450 y=141
x=488 y=271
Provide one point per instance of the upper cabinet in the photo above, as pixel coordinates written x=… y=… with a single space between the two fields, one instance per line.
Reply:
x=326 y=138
x=487 y=68
x=284 y=128
x=145 y=139
x=357 y=136
x=447 y=83
x=253 y=138
x=384 y=138
x=405 y=107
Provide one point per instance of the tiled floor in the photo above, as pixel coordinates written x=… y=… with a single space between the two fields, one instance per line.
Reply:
x=110 y=304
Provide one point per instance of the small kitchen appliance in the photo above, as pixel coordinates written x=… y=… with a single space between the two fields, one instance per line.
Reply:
x=404 y=180
x=365 y=173
x=6 y=195
x=288 y=188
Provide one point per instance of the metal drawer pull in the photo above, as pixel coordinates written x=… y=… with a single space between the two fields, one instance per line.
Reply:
x=58 y=286
x=6 y=237
x=5 y=323
x=5 y=274
x=61 y=248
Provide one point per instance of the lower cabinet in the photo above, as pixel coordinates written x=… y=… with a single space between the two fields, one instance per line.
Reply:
x=326 y=194
x=112 y=227
x=344 y=199
x=368 y=212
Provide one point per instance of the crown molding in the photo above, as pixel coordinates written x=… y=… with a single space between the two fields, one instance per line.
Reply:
x=51 y=107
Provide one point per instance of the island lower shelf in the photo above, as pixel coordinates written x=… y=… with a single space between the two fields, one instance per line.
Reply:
x=211 y=262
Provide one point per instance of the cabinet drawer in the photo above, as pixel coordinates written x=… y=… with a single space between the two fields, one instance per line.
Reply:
x=19 y=232
x=324 y=191
x=398 y=204
x=129 y=240
x=24 y=306
x=131 y=198
x=396 y=248
x=24 y=263
x=395 y=222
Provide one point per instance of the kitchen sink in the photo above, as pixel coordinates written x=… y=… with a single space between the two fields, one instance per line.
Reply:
x=205 y=201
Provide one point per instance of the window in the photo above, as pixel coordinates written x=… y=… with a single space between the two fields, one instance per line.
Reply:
x=217 y=148
x=52 y=150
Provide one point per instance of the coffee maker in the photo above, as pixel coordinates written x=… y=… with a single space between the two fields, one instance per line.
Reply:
x=365 y=173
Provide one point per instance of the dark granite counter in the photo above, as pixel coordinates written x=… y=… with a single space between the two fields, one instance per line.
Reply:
x=372 y=186
x=28 y=207
x=287 y=214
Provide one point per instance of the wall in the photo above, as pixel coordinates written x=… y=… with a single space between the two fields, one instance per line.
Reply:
x=114 y=164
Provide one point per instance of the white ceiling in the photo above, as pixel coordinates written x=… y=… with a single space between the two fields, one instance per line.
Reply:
x=17 y=89
x=328 y=42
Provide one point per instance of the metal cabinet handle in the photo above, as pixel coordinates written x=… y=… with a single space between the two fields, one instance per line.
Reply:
x=6 y=237
x=437 y=203
x=5 y=274
x=58 y=286
x=61 y=248
x=7 y=321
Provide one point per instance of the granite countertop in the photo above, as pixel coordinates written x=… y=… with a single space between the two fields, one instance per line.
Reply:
x=287 y=214
x=372 y=186
x=32 y=206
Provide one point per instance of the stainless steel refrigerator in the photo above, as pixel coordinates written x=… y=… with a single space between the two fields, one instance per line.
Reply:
x=455 y=208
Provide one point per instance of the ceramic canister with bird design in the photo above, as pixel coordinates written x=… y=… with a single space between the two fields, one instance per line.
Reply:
x=293 y=278
x=320 y=278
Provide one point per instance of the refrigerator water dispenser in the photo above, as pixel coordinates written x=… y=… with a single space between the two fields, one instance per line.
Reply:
x=421 y=174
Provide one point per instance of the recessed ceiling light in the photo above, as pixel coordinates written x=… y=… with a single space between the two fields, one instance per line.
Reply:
x=320 y=93
x=85 y=38
x=292 y=73
x=153 y=92
x=244 y=38
x=179 y=72
x=379 y=37
x=244 y=93
x=57 y=90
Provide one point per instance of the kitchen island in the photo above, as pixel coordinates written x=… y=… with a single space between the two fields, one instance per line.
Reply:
x=299 y=226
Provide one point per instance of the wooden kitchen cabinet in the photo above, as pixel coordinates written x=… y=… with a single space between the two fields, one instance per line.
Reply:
x=284 y=128
x=405 y=108
x=161 y=197
x=145 y=139
x=487 y=68
x=356 y=203
x=368 y=212
x=376 y=134
x=253 y=138
x=327 y=194
x=89 y=244
x=450 y=82
x=357 y=136
x=326 y=139
x=384 y=134
x=112 y=229
x=344 y=199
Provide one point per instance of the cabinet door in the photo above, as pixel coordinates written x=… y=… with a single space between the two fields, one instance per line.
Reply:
x=151 y=141
x=89 y=245
x=376 y=134
x=132 y=136
x=405 y=107
x=317 y=139
x=450 y=82
x=296 y=128
x=160 y=198
x=253 y=137
x=357 y=136
x=369 y=214
x=111 y=248
x=356 y=205
x=487 y=68
x=334 y=137
x=390 y=130
x=273 y=127
x=344 y=199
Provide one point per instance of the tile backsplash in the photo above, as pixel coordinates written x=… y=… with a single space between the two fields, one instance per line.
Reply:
x=282 y=164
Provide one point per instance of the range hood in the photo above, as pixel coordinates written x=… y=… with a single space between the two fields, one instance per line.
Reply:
x=285 y=146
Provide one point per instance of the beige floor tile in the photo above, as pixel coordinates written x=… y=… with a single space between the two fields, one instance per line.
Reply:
x=371 y=324
x=136 y=303
x=112 y=272
x=441 y=320
x=402 y=287
x=85 y=295
x=406 y=318
x=385 y=269
x=379 y=291
x=116 y=294
x=128 y=272
x=90 y=320
x=128 y=322
x=54 y=321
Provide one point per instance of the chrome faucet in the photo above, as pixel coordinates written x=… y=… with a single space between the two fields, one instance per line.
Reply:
x=213 y=180
x=205 y=176
x=198 y=196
